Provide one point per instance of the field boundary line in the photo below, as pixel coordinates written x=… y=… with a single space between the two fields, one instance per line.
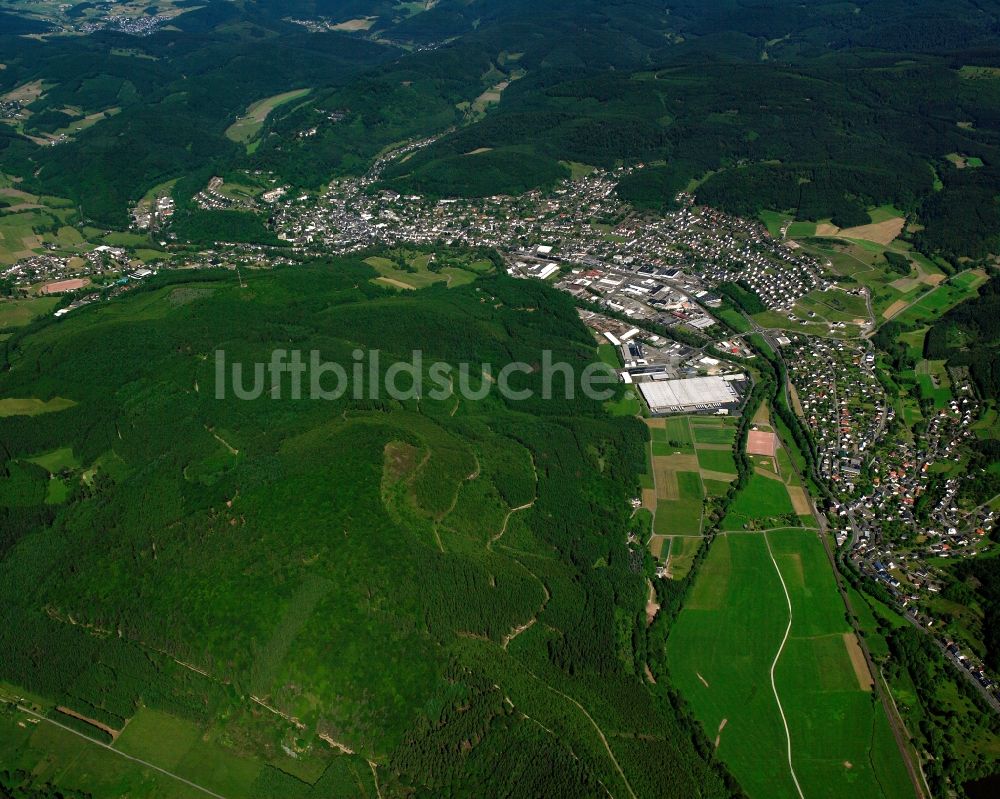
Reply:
x=774 y=664
x=138 y=760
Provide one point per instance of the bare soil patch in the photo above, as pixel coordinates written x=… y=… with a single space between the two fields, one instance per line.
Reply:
x=895 y=308
x=880 y=232
x=800 y=502
x=796 y=403
x=860 y=666
x=92 y=722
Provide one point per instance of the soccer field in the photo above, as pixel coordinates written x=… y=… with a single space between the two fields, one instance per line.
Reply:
x=721 y=653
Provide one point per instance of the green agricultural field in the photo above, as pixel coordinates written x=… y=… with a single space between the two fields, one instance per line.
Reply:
x=682 y=553
x=713 y=435
x=934 y=383
x=17 y=313
x=774 y=222
x=417 y=275
x=678 y=430
x=721 y=651
x=680 y=516
x=801 y=230
x=717 y=461
x=56 y=460
x=72 y=762
x=716 y=488
x=763 y=500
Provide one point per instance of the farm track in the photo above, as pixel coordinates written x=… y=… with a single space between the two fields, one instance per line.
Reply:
x=911 y=760
x=774 y=664
x=118 y=752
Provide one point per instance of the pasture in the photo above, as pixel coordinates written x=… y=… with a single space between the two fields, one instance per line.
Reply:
x=681 y=555
x=718 y=461
x=33 y=406
x=415 y=273
x=764 y=502
x=72 y=762
x=18 y=313
x=245 y=129
x=721 y=651
x=679 y=514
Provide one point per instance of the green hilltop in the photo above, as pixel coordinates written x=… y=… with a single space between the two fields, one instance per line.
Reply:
x=442 y=589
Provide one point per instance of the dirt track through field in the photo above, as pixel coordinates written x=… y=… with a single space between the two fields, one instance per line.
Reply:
x=774 y=665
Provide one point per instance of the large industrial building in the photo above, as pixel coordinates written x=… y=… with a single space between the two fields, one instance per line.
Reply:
x=718 y=394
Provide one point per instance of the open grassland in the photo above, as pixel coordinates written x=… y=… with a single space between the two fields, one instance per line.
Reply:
x=245 y=129
x=17 y=313
x=32 y=406
x=936 y=302
x=416 y=274
x=721 y=652
x=865 y=263
x=681 y=556
x=764 y=502
x=72 y=762
x=718 y=461
x=679 y=514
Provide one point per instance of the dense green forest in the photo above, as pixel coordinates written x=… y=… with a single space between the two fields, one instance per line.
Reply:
x=400 y=606
x=969 y=336
x=821 y=110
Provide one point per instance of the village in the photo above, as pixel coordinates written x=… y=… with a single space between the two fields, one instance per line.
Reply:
x=898 y=523
x=665 y=276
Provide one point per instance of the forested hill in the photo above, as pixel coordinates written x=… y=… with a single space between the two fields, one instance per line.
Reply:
x=443 y=588
x=822 y=108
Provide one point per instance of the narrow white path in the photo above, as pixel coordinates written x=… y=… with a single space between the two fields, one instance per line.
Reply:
x=774 y=665
x=118 y=752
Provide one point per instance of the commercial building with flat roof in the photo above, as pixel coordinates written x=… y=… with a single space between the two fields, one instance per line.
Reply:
x=693 y=394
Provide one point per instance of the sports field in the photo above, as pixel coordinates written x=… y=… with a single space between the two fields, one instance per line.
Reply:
x=721 y=652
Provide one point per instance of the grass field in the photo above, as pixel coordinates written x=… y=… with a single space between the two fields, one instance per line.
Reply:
x=17 y=313
x=393 y=276
x=774 y=222
x=182 y=747
x=935 y=385
x=32 y=406
x=680 y=515
x=607 y=353
x=721 y=651
x=246 y=128
x=71 y=762
x=713 y=435
x=57 y=460
x=717 y=461
x=682 y=552
x=763 y=499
